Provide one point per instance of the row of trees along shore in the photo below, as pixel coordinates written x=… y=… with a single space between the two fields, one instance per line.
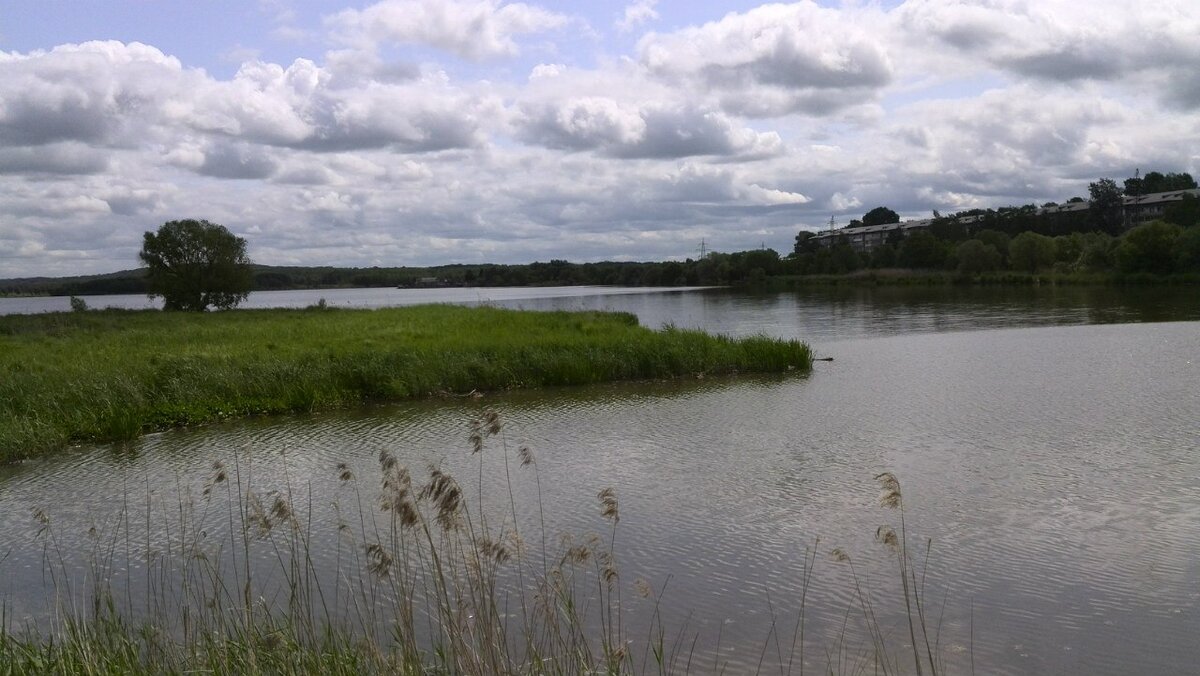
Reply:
x=713 y=269
x=1025 y=239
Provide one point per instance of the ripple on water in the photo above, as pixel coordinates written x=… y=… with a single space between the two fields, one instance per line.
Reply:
x=1052 y=468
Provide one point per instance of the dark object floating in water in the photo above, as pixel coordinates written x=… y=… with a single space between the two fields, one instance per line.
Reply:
x=824 y=359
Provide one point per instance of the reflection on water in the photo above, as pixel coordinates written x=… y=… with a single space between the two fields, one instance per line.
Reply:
x=815 y=314
x=1047 y=447
x=823 y=314
x=343 y=298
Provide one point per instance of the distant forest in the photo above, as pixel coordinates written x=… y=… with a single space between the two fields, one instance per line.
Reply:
x=714 y=269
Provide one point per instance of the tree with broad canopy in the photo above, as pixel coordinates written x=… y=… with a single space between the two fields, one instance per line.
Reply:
x=880 y=216
x=196 y=264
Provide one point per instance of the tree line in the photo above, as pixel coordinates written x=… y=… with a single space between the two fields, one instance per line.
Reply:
x=195 y=264
x=1019 y=239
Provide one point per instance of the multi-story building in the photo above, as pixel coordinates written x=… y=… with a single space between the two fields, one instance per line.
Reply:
x=1137 y=210
x=1144 y=208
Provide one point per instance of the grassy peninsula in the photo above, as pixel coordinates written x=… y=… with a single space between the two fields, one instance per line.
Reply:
x=112 y=375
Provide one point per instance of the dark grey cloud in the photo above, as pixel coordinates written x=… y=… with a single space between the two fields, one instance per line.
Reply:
x=586 y=123
x=59 y=158
x=355 y=68
x=1067 y=64
x=1183 y=88
x=791 y=65
x=419 y=131
x=685 y=133
x=26 y=121
x=131 y=205
x=968 y=36
x=629 y=132
x=237 y=161
x=814 y=102
x=305 y=175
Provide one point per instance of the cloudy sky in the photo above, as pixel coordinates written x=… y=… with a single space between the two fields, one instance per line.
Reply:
x=410 y=132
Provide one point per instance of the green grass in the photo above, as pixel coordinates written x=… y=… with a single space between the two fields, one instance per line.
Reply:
x=112 y=375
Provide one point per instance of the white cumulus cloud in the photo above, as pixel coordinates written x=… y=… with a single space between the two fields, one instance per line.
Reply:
x=775 y=60
x=471 y=29
x=636 y=14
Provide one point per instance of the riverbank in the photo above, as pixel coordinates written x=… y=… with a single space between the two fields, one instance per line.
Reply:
x=113 y=375
x=904 y=277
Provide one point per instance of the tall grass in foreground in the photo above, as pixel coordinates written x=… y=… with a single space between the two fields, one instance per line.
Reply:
x=112 y=375
x=424 y=582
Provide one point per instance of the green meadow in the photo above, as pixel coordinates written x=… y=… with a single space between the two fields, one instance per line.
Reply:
x=113 y=375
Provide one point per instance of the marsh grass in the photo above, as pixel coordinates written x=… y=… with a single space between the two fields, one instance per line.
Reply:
x=112 y=375
x=425 y=580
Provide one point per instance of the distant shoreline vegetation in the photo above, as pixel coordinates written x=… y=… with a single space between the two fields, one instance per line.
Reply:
x=115 y=374
x=1169 y=255
x=716 y=269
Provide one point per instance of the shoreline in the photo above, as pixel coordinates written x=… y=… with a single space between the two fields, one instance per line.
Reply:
x=905 y=277
x=113 y=375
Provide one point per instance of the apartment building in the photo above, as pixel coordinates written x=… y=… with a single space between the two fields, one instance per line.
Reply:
x=1137 y=210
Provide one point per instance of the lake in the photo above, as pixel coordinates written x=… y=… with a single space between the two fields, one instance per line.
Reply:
x=1046 y=439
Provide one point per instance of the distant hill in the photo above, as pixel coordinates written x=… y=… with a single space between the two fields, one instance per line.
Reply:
x=713 y=269
x=125 y=281
x=266 y=277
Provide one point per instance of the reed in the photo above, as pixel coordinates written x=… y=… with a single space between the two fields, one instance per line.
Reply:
x=423 y=581
x=113 y=375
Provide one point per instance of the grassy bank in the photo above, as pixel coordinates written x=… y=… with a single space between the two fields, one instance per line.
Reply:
x=112 y=375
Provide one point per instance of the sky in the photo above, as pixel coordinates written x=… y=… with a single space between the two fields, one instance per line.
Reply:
x=424 y=132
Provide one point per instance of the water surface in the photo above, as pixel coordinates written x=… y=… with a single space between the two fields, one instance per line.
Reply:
x=1047 y=441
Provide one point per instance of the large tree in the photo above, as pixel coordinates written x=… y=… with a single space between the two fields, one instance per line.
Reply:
x=806 y=243
x=196 y=264
x=1106 y=205
x=880 y=216
x=1154 y=182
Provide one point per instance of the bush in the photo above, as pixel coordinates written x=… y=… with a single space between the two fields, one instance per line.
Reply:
x=1187 y=248
x=922 y=250
x=1149 y=248
x=975 y=257
x=1096 y=254
x=1031 y=252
